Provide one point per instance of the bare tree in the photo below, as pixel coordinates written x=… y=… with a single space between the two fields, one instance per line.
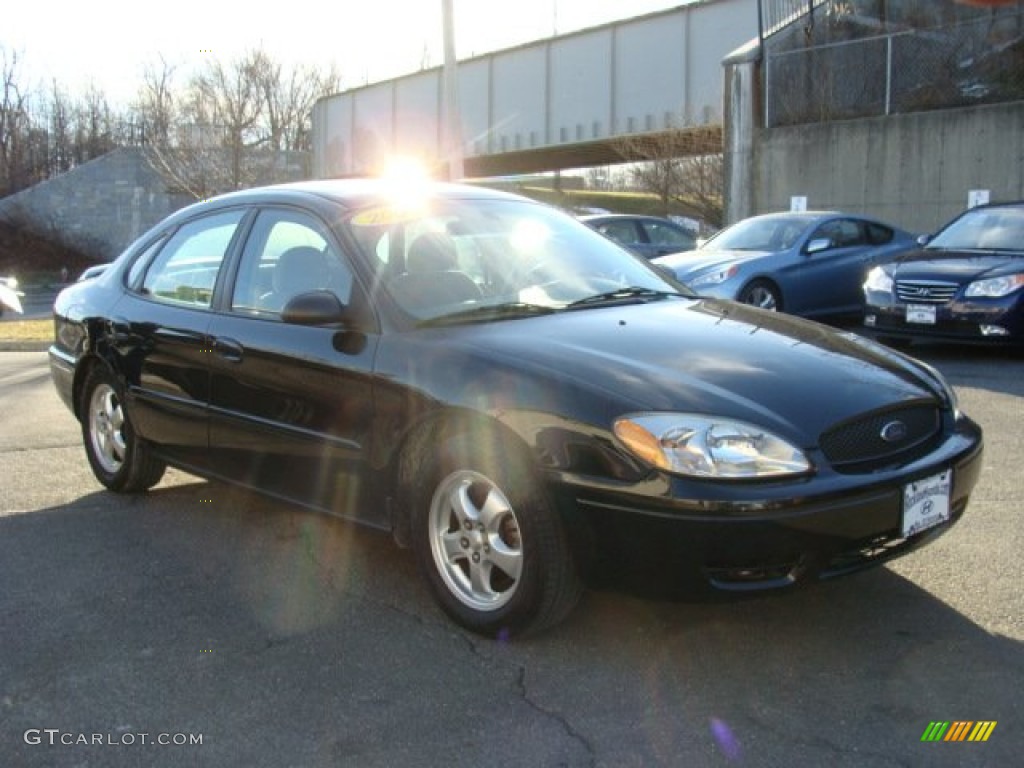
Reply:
x=229 y=100
x=15 y=127
x=156 y=101
x=288 y=95
x=226 y=129
x=682 y=167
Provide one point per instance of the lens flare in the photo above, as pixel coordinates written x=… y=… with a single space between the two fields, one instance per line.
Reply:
x=725 y=739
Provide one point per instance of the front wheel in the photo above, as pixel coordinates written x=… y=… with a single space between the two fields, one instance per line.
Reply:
x=763 y=294
x=494 y=551
x=120 y=460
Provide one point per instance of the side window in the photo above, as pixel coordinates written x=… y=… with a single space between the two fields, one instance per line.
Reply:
x=142 y=261
x=288 y=253
x=663 y=234
x=185 y=270
x=620 y=231
x=842 y=232
x=877 y=234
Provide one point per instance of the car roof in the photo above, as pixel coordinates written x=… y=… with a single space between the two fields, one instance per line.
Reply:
x=989 y=206
x=604 y=216
x=355 y=193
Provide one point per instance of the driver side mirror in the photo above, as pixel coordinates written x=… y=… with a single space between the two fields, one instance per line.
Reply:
x=817 y=245
x=314 y=308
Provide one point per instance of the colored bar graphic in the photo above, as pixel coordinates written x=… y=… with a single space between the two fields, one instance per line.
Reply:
x=935 y=731
x=958 y=730
x=982 y=731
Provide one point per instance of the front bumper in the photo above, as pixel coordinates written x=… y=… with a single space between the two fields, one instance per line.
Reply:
x=959 y=321
x=769 y=538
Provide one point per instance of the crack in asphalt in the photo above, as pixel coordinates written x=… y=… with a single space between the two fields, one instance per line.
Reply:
x=523 y=692
x=557 y=717
x=472 y=644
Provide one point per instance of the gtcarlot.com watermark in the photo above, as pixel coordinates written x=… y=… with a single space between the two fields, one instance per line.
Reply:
x=56 y=737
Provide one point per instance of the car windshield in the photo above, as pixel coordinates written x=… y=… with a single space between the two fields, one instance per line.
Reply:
x=775 y=233
x=472 y=260
x=990 y=229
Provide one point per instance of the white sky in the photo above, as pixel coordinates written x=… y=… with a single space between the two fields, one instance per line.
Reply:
x=108 y=42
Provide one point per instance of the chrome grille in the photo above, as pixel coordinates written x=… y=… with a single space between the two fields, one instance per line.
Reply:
x=872 y=440
x=925 y=291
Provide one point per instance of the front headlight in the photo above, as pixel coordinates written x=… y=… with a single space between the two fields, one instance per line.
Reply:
x=995 y=287
x=878 y=281
x=713 y=278
x=709 y=447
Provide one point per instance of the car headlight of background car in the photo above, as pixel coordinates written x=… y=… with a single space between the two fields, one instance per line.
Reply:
x=703 y=446
x=713 y=278
x=995 y=287
x=878 y=280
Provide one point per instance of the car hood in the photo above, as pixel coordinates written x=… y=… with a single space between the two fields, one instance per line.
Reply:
x=704 y=356
x=697 y=262
x=955 y=266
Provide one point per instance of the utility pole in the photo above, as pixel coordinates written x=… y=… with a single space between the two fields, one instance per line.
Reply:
x=452 y=133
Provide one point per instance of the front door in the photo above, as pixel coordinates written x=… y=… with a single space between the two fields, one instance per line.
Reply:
x=290 y=405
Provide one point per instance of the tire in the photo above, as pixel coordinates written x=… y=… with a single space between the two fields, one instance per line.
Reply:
x=120 y=460
x=489 y=543
x=763 y=294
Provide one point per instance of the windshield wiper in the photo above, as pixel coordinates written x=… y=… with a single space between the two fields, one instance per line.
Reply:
x=619 y=295
x=486 y=312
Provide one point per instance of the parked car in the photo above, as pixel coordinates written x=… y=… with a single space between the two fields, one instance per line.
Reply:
x=805 y=263
x=518 y=399
x=10 y=296
x=965 y=284
x=647 y=236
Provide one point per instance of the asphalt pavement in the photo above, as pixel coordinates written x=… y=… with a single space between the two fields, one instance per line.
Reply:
x=201 y=625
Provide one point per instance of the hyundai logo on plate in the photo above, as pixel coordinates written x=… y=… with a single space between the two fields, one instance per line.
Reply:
x=894 y=431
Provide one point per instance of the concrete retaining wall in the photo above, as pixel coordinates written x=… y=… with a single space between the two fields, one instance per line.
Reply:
x=100 y=206
x=914 y=170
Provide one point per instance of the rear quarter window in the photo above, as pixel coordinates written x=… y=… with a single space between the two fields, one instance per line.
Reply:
x=877 y=234
x=185 y=270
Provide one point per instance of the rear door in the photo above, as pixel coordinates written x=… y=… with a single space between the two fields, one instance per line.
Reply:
x=291 y=405
x=159 y=331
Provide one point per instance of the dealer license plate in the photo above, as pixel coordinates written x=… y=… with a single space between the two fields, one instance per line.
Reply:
x=921 y=313
x=926 y=503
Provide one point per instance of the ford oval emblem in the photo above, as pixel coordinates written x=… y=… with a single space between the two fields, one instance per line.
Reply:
x=894 y=431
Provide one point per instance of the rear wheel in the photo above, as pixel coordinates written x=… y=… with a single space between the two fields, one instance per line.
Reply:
x=763 y=294
x=119 y=458
x=492 y=548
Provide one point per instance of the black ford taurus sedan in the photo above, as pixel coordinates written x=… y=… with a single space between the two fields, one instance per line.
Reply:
x=965 y=285
x=507 y=392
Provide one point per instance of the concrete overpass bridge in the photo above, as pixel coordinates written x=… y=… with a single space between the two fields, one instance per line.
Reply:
x=566 y=102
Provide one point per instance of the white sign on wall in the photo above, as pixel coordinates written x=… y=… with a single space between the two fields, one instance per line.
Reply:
x=798 y=203
x=977 y=197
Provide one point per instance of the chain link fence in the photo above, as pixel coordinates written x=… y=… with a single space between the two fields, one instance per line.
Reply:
x=837 y=63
